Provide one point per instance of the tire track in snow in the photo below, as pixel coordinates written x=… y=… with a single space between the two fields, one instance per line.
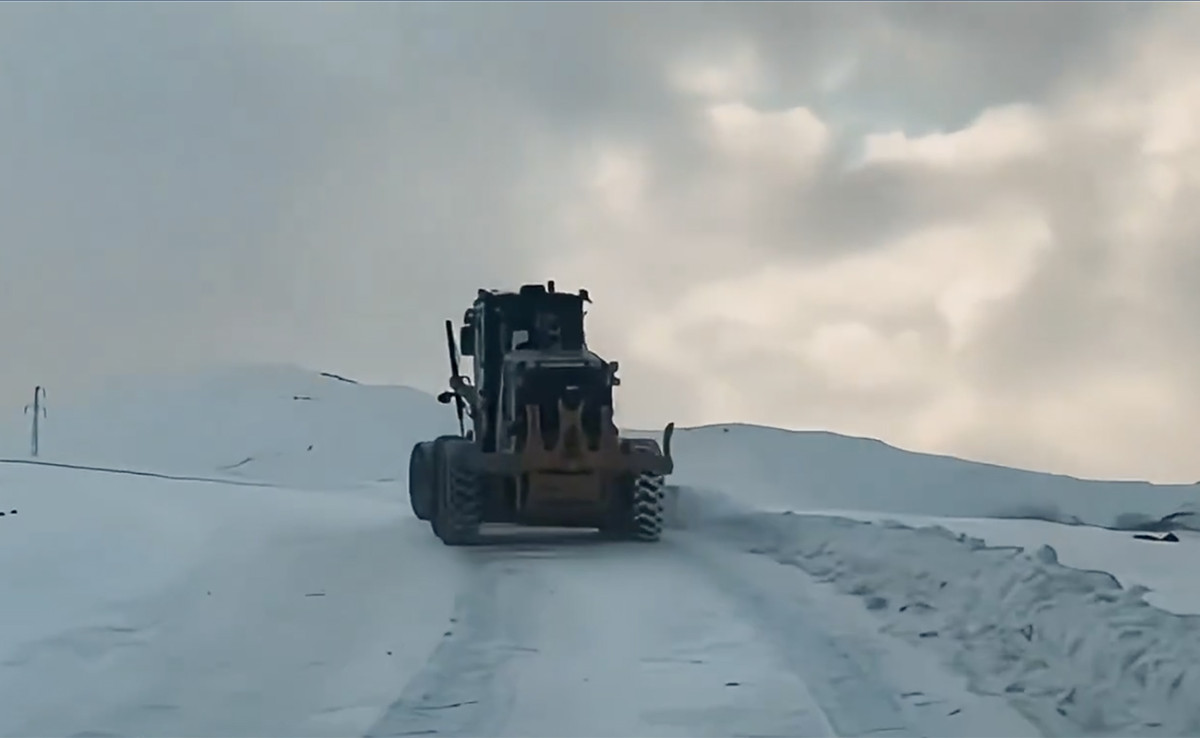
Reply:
x=868 y=683
x=635 y=640
x=459 y=692
x=568 y=635
x=573 y=635
x=852 y=699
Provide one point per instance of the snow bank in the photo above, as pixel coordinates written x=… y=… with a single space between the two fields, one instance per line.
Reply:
x=1127 y=556
x=776 y=469
x=1073 y=649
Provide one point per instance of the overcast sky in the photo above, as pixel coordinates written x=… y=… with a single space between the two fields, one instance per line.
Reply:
x=964 y=228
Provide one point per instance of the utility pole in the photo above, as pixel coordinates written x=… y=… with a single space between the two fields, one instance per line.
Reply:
x=39 y=410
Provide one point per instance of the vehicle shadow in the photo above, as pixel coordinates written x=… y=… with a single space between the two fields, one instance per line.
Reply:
x=523 y=538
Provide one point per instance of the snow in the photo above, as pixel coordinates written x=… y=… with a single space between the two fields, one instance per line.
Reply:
x=659 y=641
x=1132 y=561
x=1113 y=633
x=1091 y=524
x=776 y=469
x=280 y=425
x=271 y=581
x=154 y=607
x=1076 y=651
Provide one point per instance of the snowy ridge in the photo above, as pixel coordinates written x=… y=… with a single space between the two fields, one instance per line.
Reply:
x=281 y=425
x=293 y=427
x=812 y=470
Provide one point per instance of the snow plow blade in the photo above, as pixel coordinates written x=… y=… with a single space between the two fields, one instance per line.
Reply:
x=568 y=452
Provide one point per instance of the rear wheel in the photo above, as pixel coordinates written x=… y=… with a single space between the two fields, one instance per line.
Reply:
x=637 y=511
x=646 y=511
x=421 y=480
x=646 y=504
x=459 y=510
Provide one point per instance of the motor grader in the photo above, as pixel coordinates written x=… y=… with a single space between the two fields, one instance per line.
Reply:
x=542 y=449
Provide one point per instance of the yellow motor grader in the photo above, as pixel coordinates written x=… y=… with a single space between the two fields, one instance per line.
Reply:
x=542 y=449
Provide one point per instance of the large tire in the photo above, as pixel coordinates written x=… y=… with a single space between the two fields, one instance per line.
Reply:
x=421 y=480
x=459 y=510
x=646 y=510
x=638 y=510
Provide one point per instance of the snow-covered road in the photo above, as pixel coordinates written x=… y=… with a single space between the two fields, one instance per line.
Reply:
x=226 y=610
x=148 y=607
x=563 y=634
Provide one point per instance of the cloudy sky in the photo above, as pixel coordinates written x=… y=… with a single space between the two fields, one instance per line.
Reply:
x=964 y=228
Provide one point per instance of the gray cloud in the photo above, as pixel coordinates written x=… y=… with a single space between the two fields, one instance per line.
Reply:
x=324 y=183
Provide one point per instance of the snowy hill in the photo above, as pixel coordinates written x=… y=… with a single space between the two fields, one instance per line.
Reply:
x=818 y=471
x=280 y=425
x=298 y=428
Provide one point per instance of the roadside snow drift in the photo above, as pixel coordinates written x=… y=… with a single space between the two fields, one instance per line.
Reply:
x=1151 y=560
x=1073 y=649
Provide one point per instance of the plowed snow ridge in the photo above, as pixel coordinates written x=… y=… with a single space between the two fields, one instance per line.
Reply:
x=1073 y=649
